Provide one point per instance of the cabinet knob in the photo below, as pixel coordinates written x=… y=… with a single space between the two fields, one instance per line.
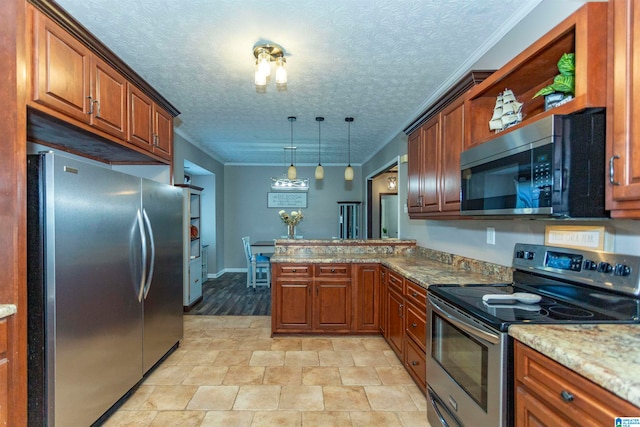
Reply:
x=294 y=270
x=414 y=325
x=414 y=363
x=566 y=396
x=333 y=270
x=414 y=294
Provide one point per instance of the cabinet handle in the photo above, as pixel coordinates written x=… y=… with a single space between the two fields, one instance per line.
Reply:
x=414 y=325
x=414 y=363
x=414 y=294
x=400 y=310
x=333 y=270
x=566 y=396
x=294 y=270
x=611 y=170
x=90 y=112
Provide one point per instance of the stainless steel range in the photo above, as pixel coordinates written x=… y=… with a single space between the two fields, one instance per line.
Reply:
x=470 y=361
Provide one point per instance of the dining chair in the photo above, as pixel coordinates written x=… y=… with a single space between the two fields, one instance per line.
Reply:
x=258 y=266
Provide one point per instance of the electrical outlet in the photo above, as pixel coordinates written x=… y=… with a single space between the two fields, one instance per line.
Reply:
x=491 y=235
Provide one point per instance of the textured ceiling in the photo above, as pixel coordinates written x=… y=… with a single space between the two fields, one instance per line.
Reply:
x=380 y=61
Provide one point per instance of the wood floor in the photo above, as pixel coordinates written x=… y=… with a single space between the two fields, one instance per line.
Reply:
x=228 y=295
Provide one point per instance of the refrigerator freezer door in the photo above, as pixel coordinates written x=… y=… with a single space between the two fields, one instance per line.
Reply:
x=94 y=319
x=162 y=205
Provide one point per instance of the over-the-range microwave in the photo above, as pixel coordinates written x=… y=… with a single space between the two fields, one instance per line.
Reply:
x=553 y=167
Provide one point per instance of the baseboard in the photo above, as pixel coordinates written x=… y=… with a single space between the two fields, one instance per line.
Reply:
x=226 y=270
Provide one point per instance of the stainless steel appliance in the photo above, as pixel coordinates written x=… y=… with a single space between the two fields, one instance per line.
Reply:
x=469 y=353
x=104 y=285
x=554 y=167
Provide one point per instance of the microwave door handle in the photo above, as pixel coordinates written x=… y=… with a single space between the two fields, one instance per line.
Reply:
x=492 y=338
x=560 y=180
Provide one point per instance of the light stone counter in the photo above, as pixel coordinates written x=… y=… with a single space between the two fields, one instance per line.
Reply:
x=7 y=310
x=608 y=354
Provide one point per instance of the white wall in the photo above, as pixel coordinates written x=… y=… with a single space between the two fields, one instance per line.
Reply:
x=246 y=212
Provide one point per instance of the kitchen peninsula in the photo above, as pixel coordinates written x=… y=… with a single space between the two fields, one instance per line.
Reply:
x=366 y=287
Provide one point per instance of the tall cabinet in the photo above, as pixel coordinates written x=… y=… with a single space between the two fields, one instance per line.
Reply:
x=192 y=250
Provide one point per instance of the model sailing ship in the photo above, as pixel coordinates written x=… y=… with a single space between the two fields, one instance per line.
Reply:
x=506 y=113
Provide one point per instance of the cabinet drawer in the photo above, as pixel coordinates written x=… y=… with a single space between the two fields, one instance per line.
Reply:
x=288 y=270
x=416 y=294
x=567 y=392
x=416 y=325
x=333 y=270
x=416 y=364
x=395 y=280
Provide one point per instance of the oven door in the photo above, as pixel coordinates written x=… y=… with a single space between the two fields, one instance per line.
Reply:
x=466 y=369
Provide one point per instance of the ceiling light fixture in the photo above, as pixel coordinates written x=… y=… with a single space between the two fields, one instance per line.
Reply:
x=291 y=172
x=392 y=183
x=266 y=54
x=348 y=172
x=319 y=168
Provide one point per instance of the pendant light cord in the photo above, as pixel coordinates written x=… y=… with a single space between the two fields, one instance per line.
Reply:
x=349 y=120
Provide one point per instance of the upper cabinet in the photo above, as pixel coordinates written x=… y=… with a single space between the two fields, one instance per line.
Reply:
x=583 y=33
x=434 y=154
x=78 y=86
x=623 y=135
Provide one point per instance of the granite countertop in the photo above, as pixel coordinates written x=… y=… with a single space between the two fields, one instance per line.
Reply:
x=7 y=310
x=606 y=354
x=423 y=271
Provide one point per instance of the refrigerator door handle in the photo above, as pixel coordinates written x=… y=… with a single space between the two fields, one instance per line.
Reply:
x=147 y=285
x=143 y=241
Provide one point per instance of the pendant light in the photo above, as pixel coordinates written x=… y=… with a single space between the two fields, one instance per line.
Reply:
x=348 y=172
x=319 y=168
x=291 y=172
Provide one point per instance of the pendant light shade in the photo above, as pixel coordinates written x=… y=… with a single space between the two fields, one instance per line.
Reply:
x=348 y=172
x=319 y=168
x=291 y=172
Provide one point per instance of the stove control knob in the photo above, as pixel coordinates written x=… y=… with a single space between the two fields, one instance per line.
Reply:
x=589 y=265
x=528 y=255
x=519 y=254
x=622 y=270
x=604 y=267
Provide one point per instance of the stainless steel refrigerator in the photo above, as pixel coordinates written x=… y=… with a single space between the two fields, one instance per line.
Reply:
x=104 y=285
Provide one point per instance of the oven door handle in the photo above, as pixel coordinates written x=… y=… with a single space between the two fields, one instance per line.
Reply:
x=477 y=332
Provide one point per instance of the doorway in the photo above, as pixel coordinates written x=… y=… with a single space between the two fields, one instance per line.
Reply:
x=382 y=190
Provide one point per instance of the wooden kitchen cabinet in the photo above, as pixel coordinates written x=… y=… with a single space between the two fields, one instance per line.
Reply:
x=4 y=373
x=150 y=127
x=434 y=164
x=74 y=82
x=332 y=305
x=311 y=298
x=549 y=394
x=623 y=107
x=367 y=297
x=383 y=316
x=584 y=33
x=395 y=327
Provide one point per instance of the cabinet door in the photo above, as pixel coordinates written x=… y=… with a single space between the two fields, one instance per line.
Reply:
x=452 y=122
x=367 y=297
x=292 y=305
x=60 y=69
x=623 y=146
x=395 y=309
x=163 y=133
x=415 y=362
x=530 y=412
x=383 y=317
x=332 y=305
x=109 y=102
x=140 y=118
x=414 y=167
x=431 y=166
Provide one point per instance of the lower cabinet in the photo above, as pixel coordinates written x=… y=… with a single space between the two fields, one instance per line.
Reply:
x=383 y=317
x=395 y=327
x=366 y=292
x=549 y=394
x=311 y=298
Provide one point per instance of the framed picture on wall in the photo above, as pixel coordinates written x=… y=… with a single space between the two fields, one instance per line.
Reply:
x=287 y=200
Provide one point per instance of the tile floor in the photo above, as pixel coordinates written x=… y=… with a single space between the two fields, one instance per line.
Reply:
x=230 y=372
